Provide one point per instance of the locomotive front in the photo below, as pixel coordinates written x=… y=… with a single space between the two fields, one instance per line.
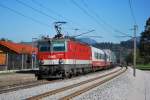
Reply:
x=51 y=55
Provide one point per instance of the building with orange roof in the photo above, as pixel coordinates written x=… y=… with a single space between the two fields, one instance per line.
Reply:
x=15 y=55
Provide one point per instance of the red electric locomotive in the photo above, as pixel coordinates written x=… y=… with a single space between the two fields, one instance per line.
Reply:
x=61 y=57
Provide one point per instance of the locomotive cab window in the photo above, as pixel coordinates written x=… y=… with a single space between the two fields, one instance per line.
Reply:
x=44 y=48
x=58 y=46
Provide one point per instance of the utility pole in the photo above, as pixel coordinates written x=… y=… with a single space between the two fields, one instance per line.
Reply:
x=134 y=51
x=134 y=47
x=120 y=56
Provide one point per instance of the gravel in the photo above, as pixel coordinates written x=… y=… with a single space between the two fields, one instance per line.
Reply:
x=124 y=87
x=15 y=78
x=75 y=89
x=147 y=85
x=25 y=93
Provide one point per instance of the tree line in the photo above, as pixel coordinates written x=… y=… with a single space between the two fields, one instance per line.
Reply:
x=124 y=49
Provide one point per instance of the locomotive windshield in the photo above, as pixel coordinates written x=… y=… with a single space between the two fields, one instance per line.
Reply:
x=44 y=48
x=52 y=46
x=58 y=46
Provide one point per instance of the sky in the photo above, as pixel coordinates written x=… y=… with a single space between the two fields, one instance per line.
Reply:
x=22 y=20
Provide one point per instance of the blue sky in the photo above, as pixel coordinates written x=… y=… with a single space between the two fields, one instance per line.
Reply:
x=114 y=12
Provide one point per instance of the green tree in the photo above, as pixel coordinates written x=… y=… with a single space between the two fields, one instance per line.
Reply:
x=139 y=59
x=4 y=39
x=145 y=43
x=129 y=58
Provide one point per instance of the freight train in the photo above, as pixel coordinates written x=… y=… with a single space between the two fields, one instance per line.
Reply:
x=66 y=57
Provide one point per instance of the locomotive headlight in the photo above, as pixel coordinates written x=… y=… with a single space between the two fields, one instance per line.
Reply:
x=41 y=62
x=61 y=61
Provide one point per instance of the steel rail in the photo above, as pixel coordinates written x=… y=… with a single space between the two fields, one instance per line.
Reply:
x=52 y=92
x=25 y=85
x=68 y=97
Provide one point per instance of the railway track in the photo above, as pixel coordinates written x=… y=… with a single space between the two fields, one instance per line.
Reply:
x=78 y=88
x=28 y=84
x=24 y=85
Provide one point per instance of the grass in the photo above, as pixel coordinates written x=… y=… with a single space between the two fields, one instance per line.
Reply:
x=143 y=67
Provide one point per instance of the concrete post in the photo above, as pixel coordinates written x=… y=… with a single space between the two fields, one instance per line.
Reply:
x=22 y=61
x=134 y=58
x=7 y=63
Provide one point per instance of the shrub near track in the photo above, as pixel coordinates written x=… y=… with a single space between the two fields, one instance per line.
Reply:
x=143 y=67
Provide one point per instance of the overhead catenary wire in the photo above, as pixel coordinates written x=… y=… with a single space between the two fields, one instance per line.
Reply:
x=56 y=13
x=93 y=12
x=132 y=12
x=23 y=15
x=48 y=9
x=102 y=20
x=94 y=36
x=134 y=38
x=84 y=33
x=39 y=11
x=87 y=13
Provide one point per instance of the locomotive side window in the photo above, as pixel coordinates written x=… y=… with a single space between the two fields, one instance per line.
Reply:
x=58 y=46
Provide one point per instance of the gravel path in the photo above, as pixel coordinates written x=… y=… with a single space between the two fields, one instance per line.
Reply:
x=25 y=93
x=124 y=87
x=15 y=78
x=59 y=95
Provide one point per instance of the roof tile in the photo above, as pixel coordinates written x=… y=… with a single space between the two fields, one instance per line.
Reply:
x=19 y=48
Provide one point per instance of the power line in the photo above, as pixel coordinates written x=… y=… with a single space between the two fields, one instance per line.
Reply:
x=41 y=5
x=57 y=14
x=41 y=12
x=48 y=9
x=132 y=12
x=52 y=11
x=84 y=33
x=92 y=11
x=87 y=13
x=21 y=14
x=94 y=36
x=81 y=8
x=134 y=38
x=99 y=17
